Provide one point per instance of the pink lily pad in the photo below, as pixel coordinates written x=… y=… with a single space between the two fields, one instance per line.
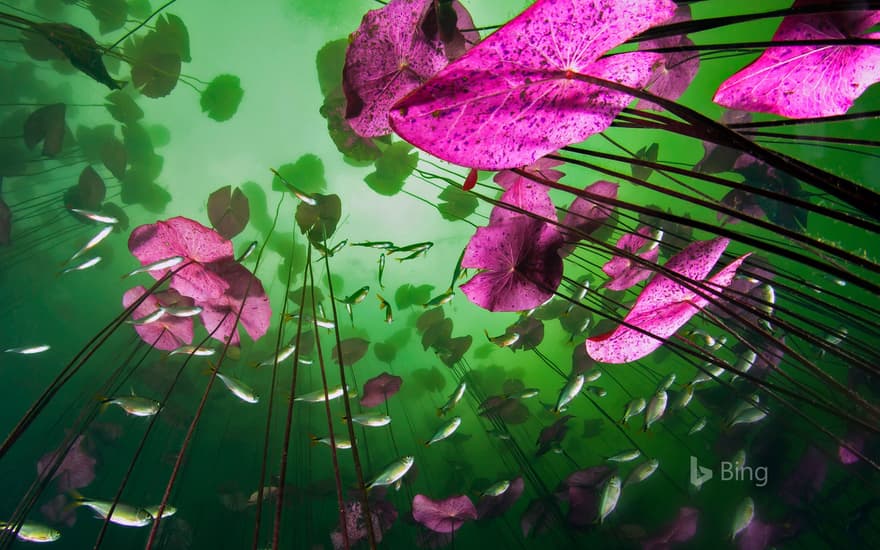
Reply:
x=664 y=305
x=512 y=98
x=682 y=529
x=677 y=69
x=168 y=332
x=77 y=468
x=527 y=195
x=585 y=215
x=377 y=390
x=388 y=56
x=624 y=272
x=543 y=168
x=243 y=288
x=443 y=516
x=520 y=264
x=194 y=242
x=808 y=81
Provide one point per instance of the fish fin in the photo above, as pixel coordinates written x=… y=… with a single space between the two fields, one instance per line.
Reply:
x=344 y=419
x=397 y=484
x=486 y=332
x=314 y=439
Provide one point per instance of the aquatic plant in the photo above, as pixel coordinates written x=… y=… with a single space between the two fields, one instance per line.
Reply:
x=664 y=286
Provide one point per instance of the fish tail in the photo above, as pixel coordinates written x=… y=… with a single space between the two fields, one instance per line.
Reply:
x=76 y=499
x=440 y=411
x=486 y=332
x=314 y=439
x=344 y=419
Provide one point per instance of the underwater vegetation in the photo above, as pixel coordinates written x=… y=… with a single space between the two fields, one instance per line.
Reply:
x=432 y=273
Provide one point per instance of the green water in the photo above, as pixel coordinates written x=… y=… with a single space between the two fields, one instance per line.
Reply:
x=271 y=47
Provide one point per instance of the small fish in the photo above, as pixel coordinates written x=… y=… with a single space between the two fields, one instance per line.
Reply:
x=440 y=300
x=698 y=426
x=134 y=405
x=383 y=304
x=768 y=296
x=684 y=398
x=453 y=399
x=238 y=388
x=505 y=340
x=182 y=311
x=93 y=242
x=393 y=473
x=609 y=498
x=592 y=376
x=526 y=393
x=444 y=431
x=33 y=532
x=633 y=408
x=701 y=338
x=123 y=514
x=748 y=416
x=666 y=383
x=340 y=443
x=167 y=263
x=198 y=351
x=318 y=320
x=569 y=392
x=370 y=419
x=738 y=460
x=149 y=318
x=656 y=408
x=712 y=371
x=247 y=252
x=91 y=262
x=381 y=269
x=412 y=256
x=94 y=216
x=744 y=363
x=504 y=436
x=416 y=247
x=167 y=512
x=29 y=350
x=642 y=472
x=744 y=408
x=456 y=273
x=745 y=512
x=380 y=245
x=597 y=391
x=356 y=297
x=304 y=197
x=497 y=489
x=317 y=396
x=625 y=456
x=283 y=354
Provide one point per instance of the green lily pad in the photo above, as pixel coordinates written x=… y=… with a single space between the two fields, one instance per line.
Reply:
x=46 y=124
x=410 y=295
x=111 y=14
x=385 y=352
x=457 y=204
x=353 y=350
x=114 y=157
x=392 y=168
x=221 y=98
x=320 y=220
x=306 y=174
x=155 y=74
x=330 y=61
x=88 y=193
x=123 y=107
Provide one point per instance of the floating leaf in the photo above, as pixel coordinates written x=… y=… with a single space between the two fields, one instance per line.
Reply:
x=586 y=215
x=244 y=294
x=388 y=56
x=75 y=469
x=46 y=124
x=512 y=98
x=114 y=210
x=530 y=331
x=352 y=349
x=392 y=168
x=682 y=529
x=80 y=48
x=452 y=350
x=812 y=80
x=320 y=220
x=409 y=295
x=664 y=305
x=155 y=74
x=676 y=70
x=171 y=36
x=430 y=379
x=429 y=318
x=442 y=22
x=649 y=154
x=377 y=390
x=457 y=204
x=385 y=352
x=520 y=264
x=347 y=141
x=168 y=332
x=228 y=211
x=437 y=334
x=306 y=174
x=443 y=516
x=92 y=140
x=89 y=192
x=123 y=107
x=111 y=14
x=625 y=272
x=114 y=157
x=330 y=61
x=222 y=97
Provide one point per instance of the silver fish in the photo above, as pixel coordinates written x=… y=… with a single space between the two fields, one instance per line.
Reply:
x=444 y=431
x=29 y=350
x=167 y=263
x=91 y=262
x=393 y=473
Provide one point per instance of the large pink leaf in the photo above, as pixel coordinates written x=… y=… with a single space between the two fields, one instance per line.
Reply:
x=520 y=264
x=665 y=305
x=808 y=81
x=682 y=529
x=511 y=99
x=194 y=242
x=443 y=516
x=243 y=287
x=388 y=56
x=172 y=332
x=677 y=69
x=543 y=167
x=527 y=195
x=77 y=468
x=625 y=272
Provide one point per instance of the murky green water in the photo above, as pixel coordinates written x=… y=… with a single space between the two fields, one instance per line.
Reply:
x=174 y=156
